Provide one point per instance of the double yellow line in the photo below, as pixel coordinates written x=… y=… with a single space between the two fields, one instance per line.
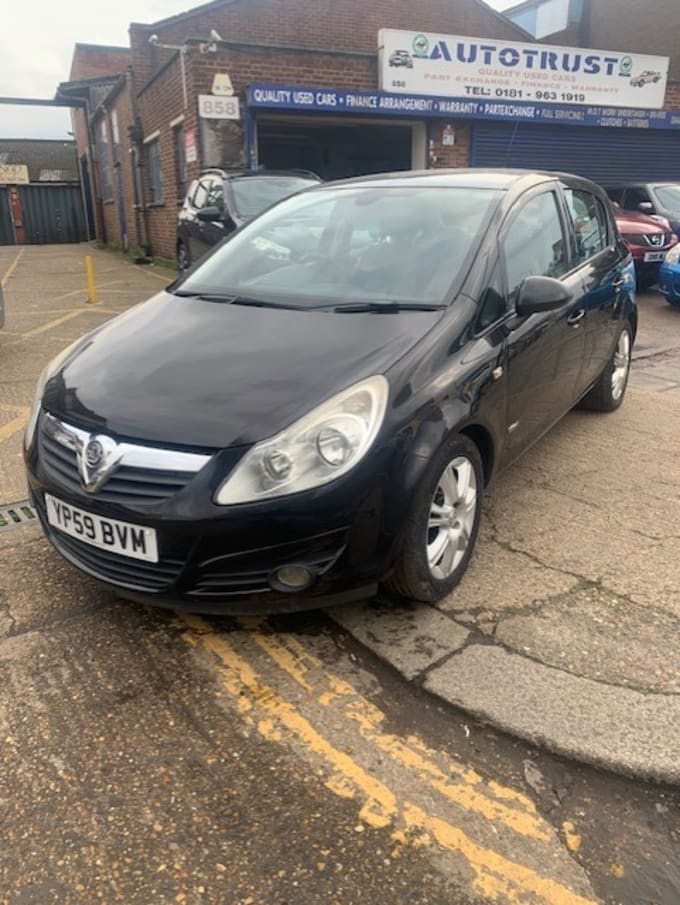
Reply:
x=510 y=814
x=12 y=267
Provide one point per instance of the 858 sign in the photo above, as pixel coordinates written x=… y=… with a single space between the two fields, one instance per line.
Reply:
x=212 y=107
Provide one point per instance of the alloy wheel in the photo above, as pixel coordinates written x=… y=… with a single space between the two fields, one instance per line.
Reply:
x=621 y=365
x=452 y=517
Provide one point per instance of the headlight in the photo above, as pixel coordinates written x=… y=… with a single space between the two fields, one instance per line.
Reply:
x=317 y=449
x=51 y=368
x=673 y=256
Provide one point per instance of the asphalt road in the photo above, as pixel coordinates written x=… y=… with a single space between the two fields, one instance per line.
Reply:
x=154 y=757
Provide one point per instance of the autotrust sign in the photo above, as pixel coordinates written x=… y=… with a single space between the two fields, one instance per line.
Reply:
x=446 y=65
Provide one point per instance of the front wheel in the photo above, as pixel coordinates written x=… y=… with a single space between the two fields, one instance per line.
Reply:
x=607 y=394
x=441 y=529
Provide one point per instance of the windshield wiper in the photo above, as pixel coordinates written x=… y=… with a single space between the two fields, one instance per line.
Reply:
x=227 y=299
x=385 y=307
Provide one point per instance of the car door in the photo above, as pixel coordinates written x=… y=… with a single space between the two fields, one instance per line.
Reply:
x=598 y=260
x=197 y=247
x=213 y=232
x=204 y=235
x=545 y=351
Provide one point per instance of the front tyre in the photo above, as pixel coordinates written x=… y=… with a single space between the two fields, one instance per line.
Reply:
x=442 y=526
x=609 y=391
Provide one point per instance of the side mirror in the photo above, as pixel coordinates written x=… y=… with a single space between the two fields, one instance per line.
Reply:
x=537 y=294
x=210 y=214
x=646 y=207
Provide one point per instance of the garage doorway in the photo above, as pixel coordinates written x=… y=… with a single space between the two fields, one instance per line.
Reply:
x=339 y=148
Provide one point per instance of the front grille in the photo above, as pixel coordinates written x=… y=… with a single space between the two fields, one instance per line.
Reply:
x=658 y=241
x=127 y=486
x=114 y=569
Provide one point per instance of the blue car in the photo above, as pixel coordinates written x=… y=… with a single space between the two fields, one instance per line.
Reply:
x=669 y=276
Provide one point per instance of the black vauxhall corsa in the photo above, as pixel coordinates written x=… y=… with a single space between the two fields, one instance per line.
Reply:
x=319 y=405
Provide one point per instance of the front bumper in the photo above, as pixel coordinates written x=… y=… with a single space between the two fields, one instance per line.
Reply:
x=223 y=559
x=669 y=282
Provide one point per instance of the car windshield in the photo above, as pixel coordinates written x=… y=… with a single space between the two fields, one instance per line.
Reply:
x=253 y=194
x=352 y=244
x=668 y=196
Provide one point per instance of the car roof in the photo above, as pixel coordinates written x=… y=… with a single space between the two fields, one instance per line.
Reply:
x=498 y=179
x=240 y=174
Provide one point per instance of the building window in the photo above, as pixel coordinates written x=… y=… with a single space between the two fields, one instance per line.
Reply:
x=180 y=162
x=104 y=153
x=154 y=173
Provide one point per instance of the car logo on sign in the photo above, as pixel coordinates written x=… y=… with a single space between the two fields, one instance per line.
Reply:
x=98 y=458
x=421 y=46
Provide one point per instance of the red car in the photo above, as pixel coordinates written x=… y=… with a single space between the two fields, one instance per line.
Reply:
x=648 y=240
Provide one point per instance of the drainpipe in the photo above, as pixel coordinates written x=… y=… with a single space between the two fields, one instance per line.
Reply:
x=94 y=173
x=141 y=212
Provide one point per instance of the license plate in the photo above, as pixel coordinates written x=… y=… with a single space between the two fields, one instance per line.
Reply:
x=109 y=534
x=651 y=256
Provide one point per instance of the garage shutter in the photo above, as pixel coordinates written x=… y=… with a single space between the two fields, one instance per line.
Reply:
x=605 y=155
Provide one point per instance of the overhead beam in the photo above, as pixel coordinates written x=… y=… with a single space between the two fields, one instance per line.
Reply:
x=43 y=102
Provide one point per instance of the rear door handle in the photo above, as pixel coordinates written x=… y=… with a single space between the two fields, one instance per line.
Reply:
x=574 y=319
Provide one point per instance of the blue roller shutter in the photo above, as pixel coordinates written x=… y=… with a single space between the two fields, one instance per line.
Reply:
x=605 y=155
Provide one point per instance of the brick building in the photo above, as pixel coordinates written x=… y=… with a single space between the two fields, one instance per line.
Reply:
x=313 y=91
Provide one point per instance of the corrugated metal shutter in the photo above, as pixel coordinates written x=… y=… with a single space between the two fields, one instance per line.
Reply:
x=52 y=213
x=605 y=155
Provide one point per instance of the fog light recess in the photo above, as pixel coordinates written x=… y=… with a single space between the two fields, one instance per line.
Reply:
x=292 y=578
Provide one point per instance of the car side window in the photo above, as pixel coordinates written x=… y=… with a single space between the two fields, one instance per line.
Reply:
x=493 y=306
x=534 y=243
x=590 y=223
x=215 y=193
x=635 y=196
x=200 y=195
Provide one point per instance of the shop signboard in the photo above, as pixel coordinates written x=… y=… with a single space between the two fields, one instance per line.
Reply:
x=375 y=103
x=13 y=174
x=482 y=69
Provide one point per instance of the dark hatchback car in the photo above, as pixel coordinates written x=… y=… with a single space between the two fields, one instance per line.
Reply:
x=291 y=424
x=655 y=199
x=221 y=201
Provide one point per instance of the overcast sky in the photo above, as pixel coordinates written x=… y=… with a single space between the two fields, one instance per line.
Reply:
x=36 y=45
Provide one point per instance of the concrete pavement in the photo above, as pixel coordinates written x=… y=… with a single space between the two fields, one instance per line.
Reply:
x=564 y=630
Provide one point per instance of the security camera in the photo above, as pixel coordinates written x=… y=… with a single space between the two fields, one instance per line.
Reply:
x=153 y=39
x=215 y=35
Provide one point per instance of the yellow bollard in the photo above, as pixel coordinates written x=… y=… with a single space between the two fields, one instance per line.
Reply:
x=91 y=288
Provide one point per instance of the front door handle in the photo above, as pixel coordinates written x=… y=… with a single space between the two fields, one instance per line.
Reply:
x=574 y=319
x=618 y=284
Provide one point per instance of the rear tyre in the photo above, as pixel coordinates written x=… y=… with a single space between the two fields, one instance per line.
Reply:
x=609 y=391
x=442 y=526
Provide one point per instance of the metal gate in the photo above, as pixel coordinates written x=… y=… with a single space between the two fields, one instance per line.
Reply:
x=6 y=228
x=52 y=213
x=607 y=155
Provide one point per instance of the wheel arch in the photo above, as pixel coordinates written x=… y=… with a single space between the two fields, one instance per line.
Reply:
x=483 y=440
